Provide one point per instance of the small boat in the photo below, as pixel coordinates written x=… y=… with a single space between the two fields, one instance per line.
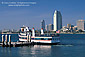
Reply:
x=26 y=35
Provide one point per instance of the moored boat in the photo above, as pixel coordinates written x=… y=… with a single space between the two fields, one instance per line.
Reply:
x=38 y=39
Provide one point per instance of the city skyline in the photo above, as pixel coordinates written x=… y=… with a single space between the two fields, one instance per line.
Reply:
x=15 y=17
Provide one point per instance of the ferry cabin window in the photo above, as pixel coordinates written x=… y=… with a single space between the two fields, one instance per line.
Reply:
x=42 y=39
x=32 y=38
x=23 y=38
x=45 y=38
x=37 y=38
x=49 y=38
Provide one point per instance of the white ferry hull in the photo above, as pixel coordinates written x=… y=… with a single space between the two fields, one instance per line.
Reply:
x=42 y=41
x=23 y=40
x=46 y=41
x=42 y=38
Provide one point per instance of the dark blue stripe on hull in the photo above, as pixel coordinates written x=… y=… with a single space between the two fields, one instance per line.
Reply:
x=46 y=43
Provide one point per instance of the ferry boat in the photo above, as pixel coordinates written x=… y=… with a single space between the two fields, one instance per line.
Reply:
x=25 y=35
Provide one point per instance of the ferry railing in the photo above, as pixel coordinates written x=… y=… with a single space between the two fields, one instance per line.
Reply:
x=47 y=34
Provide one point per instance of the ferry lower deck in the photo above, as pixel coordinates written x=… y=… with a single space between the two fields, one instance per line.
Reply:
x=42 y=40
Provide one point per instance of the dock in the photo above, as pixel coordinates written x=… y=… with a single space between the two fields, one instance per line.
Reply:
x=6 y=43
x=17 y=44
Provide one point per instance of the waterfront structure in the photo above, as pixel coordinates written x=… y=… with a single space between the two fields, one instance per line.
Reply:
x=6 y=30
x=43 y=24
x=75 y=28
x=71 y=28
x=81 y=25
x=64 y=29
x=49 y=27
x=57 y=22
x=68 y=25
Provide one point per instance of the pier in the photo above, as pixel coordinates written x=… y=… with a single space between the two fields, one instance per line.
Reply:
x=7 y=43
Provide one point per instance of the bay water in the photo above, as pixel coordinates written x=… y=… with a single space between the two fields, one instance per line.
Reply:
x=72 y=45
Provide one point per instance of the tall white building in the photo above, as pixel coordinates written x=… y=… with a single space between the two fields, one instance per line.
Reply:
x=57 y=20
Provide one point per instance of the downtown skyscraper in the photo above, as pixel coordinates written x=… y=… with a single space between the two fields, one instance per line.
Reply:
x=81 y=25
x=57 y=20
x=43 y=24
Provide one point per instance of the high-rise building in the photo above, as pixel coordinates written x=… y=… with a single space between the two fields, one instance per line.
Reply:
x=43 y=24
x=81 y=24
x=57 y=20
x=49 y=27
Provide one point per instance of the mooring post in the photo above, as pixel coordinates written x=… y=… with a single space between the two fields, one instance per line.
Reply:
x=27 y=38
x=2 y=40
x=10 y=40
x=6 y=40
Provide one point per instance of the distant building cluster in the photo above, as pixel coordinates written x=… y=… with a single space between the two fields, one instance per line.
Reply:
x=69 y=28
x=57 y=25
x=9 y=31
x=80 y=27
x=57 y=22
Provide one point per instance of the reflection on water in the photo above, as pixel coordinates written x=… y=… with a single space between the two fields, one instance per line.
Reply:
x=74 y=46
x=5 y=51
x=64 y=45
x=36 y=50
x=43 y=51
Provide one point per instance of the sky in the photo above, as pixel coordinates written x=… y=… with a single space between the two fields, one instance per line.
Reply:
x=14 y=17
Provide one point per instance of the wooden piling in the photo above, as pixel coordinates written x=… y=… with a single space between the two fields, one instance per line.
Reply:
x=2 y=40
x=6 y=42
x=10 y=40
x=15 y=44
